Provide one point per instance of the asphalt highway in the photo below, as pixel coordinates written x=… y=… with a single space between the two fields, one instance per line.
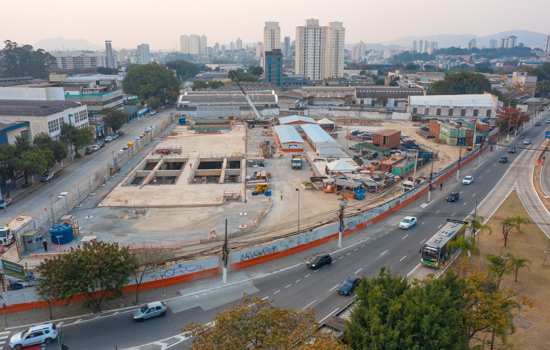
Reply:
x=289 y=283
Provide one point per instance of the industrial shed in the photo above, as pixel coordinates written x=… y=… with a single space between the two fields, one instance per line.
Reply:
x=323 y=144
x=288 y=139
x=295 y=120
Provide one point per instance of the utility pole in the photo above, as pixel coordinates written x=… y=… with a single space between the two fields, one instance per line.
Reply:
x=415 y=165
x=225 y=255
x=298 y=190
x=459 y=157
x=341 y=222
x=431 y=180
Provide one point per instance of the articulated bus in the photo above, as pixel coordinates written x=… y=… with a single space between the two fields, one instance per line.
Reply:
x=435 y=251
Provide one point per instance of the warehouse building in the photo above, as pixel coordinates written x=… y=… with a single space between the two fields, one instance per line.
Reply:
x=288 y=139
x=211 y=106
x=323 y=144
x=295 y=120
x=453 y=106
x=387 y=138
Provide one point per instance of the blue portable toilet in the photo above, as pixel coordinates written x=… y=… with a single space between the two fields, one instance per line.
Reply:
x=182 y=120
x=359 y=193
x=61 y=233
x=267 y=192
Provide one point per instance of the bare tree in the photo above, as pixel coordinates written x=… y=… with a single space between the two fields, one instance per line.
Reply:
x=147 y=261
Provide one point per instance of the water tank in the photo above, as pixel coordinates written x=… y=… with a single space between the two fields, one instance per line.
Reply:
x=61 y=233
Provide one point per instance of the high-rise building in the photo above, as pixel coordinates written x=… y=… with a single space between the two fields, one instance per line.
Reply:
x=421 y=47
x=272 y=36
x=143 y=54
x=493 y=43
x=319 y=50
x=273 y=72
x=547 y=45
x=259 y=51
x=238 y=44
x=286 y=47
x=415 y=46
x=109 y=55
x=503 y=43
x=472 y=44
x=512 y=41
x=193 y=45
x=359 y=51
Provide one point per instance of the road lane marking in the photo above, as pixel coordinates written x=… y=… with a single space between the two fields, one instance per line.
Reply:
x=288 y=286
x=358 y=270
x=297 y=281
x=276 y=292
x=437 y=211
x=333 y=288
x=306 y=276
x=413 y=270
x=405 y=236
x=265 y=298
x=310 y=304
x=60 y=324
x=330 y=314
x=341 y=257
x=453 y=214
x=464 y=203
x=403 y=258
x=348 y=253
x=383 y=253
x=422 y=241
x=440 y=226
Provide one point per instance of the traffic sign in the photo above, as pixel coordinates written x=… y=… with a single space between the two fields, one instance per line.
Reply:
x=13 y=269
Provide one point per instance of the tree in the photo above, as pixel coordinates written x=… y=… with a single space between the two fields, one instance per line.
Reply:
x=58 y=148
x=147 y=260
x=256 y=324
x=394 y=314
x=35 y=161
x=19 y=61
x=510 y=119
x=151 y=80
x=76 y=137
x=8 y=160
x=517 y=263
x=105 y=70
x=115 y=119
x=498 y=267
x=461 y=83
x=200 y=85
x=98 y=270
x=256 y=70
x=153 y=103
x=241 y=75
x=184 y=69
x=510 y=225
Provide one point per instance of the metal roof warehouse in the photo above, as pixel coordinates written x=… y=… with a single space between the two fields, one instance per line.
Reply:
x=322 y=142
x=288 y=138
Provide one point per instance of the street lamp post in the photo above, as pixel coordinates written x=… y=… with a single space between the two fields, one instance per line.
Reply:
x=225 y=255
x=459 y=155
x=341 y=222
x=299 y=208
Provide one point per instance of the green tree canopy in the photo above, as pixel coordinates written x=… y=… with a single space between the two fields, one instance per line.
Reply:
x=76 y=137
x=20 y=61
x=35 y=161
x=115 y=119
x=461 y=83
x=395 y=314
x=256 y=324
x=58 y=148
x=98 y=270
x=184 y=69
x=151 y=80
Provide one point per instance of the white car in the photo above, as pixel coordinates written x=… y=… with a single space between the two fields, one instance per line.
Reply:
x=407 y=222
x=467 y=180
x=526 y=142
x=44 y=333
x=147 y=311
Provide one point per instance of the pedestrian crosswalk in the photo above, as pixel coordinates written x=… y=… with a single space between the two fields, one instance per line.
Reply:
x=4 y=336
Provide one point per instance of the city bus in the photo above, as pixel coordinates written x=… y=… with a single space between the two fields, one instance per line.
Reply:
x=435 y=251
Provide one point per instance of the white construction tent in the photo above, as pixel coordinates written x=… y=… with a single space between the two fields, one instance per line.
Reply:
x=323 y=144
x=342 y=166
x=288 y=138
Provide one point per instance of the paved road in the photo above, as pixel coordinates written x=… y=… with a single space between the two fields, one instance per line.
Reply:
x=545 y=176
x=380 y=245
x=78 y=173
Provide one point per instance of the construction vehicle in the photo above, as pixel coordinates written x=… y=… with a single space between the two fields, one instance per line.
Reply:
x=261 y=188
x=297 y=162
x=21 y=224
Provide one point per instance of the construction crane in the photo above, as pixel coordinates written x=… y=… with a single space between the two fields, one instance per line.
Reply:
x=249 y=101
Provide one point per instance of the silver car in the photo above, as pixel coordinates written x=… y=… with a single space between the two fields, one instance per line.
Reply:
x=151 y=310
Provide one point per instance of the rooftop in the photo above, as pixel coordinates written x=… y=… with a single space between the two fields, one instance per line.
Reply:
x=387 y=132
x=296 y=118
x=288 y=133
x=316 y=134
x=31 y=108
x=387 y=91
x=479 y=100
x=227 y=97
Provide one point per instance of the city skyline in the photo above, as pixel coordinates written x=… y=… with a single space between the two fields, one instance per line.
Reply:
x=162 y=25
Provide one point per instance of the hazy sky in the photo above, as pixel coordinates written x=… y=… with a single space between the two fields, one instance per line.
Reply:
x=160 y=22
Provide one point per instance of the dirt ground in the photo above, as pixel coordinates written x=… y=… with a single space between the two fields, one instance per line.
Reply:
x=532 y=323
x=447 y=154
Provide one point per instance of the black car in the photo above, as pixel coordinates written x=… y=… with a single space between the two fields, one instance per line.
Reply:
x=512 y=149
x=503 y=160
x=320 y=261
x=348 y=286
x=453 y=197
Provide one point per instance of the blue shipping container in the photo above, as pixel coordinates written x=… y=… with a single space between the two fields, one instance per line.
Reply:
x=61 y=233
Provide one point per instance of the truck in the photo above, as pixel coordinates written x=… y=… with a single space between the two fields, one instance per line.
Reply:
x=21 y=224
x=297 y=162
